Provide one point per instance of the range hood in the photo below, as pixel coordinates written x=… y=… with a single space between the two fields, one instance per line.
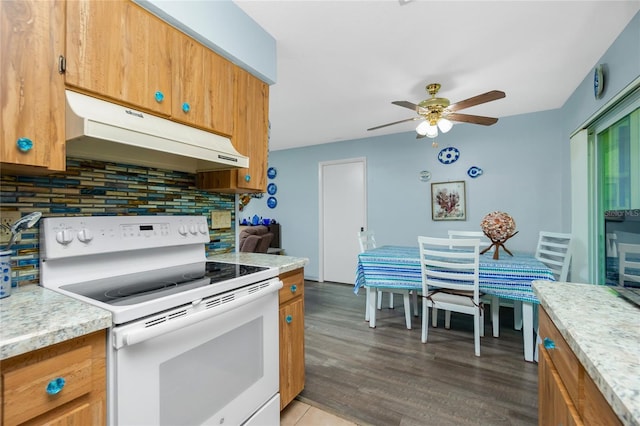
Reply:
x=100 y=130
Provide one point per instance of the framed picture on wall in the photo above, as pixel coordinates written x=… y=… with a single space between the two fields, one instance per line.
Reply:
x=448 y=201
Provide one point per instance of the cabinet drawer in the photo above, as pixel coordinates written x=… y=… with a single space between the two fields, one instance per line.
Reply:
x=562 y=356
x=25 y=389
x=292 y=285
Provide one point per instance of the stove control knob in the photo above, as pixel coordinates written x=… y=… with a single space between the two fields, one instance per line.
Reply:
x=193 y=229
x=203 y=228
x=85 y=235
x=64 y=237
x=182 y=230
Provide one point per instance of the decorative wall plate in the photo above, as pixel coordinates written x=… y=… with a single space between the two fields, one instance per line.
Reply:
x=271 y=172
x=448 y=155
x=425 y=175
x=272 y=189
x=474 y=171
x=272 y=202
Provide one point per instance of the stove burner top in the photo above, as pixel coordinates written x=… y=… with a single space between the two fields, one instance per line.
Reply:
x=144 y=286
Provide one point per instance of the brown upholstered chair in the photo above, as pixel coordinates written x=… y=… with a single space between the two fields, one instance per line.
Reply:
x=255 y=239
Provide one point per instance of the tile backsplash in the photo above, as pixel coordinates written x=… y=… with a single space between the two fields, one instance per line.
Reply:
x=91 y=188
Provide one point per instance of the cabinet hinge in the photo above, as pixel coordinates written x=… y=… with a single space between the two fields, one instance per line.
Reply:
x=62 y=64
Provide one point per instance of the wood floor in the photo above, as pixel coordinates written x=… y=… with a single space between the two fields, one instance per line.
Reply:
x=386 y=376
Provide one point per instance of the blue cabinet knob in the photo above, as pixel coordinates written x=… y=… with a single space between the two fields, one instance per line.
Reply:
x=247 y=178
x=159 y=96
x=288 y=319
x=294 y=288
x=548 y=343
x=24 y=144
x=55 y=385
x=186 y=107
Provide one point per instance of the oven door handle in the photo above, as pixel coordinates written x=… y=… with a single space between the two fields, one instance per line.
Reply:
x=131 y=337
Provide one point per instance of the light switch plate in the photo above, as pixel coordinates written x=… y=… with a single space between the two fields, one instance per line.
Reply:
x=7 y=218
x=221 y=219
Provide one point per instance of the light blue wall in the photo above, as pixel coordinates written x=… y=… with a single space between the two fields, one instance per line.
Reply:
x=224 y=27
x=525 y=158
x=398 y=202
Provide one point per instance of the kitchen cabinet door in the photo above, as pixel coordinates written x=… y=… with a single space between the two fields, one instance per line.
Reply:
x=119 y=51
x=31 y=88
x=250 y=137
x=292 y=375
x=555 y=406
x=203 y=86
x=251 y=133
x=63 y=384
x=291 y=351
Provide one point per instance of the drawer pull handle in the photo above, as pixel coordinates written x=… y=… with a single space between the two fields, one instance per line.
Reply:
x=24 y=144
x=294 y=288
x=159 y=96
x=186 y=107
x=247 y=178
x=548 y=343
x=55 y=386
x=288 y=319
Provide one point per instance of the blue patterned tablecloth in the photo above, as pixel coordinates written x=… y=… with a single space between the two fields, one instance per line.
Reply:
x=399 y=267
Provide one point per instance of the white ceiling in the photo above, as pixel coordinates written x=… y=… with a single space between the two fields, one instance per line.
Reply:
x=340 y=64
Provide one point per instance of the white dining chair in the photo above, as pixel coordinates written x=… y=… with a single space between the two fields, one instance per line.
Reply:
x=450 y=281
x=367 y=241
x=554 y=250
x=493 y=302
x=629 y=266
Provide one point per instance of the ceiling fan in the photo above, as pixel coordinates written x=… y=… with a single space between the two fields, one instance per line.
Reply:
x=438 y=113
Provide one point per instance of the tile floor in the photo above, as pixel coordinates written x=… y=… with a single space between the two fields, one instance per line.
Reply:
x=301 y=414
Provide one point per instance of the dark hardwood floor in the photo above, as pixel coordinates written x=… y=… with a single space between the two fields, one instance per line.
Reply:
x=386 y=376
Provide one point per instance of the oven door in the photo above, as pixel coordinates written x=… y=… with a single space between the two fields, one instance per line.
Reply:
x=216 y=366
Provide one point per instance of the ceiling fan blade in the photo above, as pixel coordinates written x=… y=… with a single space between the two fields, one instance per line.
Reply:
x=395 y=122
x=474 y=119
x=477 y=100
x=406 y=104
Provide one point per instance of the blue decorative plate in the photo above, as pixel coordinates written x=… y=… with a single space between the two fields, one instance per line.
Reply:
x=271 y=172
x=272 y=188
x=448 y=155
x=474 y=171
x=272 y=202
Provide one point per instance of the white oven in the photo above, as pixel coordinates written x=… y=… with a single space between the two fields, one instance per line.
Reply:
x=193 y=342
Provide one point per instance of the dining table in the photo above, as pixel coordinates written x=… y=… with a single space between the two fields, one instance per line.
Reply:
x=508 y=277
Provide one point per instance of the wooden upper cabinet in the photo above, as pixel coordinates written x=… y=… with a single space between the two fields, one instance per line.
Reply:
x=31 y=88
x=119 y=51
x=251 y=133
x=203 y=86
x=250 y=138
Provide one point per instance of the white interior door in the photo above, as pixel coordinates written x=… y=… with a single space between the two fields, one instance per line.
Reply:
x=342 y=213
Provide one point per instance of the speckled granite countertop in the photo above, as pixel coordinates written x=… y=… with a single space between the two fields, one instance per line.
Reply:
x=603 y=330
x=283 y=263
x=34 y=317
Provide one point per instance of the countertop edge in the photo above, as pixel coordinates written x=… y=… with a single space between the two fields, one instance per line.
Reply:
x=34 y=317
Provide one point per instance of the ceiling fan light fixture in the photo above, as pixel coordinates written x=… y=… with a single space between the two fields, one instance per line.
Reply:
x=444 y=125
x=422 y=128
x=432 y=131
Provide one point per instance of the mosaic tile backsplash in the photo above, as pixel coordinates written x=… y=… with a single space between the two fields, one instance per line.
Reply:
x=92 y=188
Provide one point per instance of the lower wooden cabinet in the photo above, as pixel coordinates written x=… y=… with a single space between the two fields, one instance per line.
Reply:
x=566 y=393
x=63 y=384
x=291 y=336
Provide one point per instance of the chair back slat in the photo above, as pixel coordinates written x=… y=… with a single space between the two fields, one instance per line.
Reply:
x=367 y=240
x=484 y=240
x=555 y=250
x=449 y=264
